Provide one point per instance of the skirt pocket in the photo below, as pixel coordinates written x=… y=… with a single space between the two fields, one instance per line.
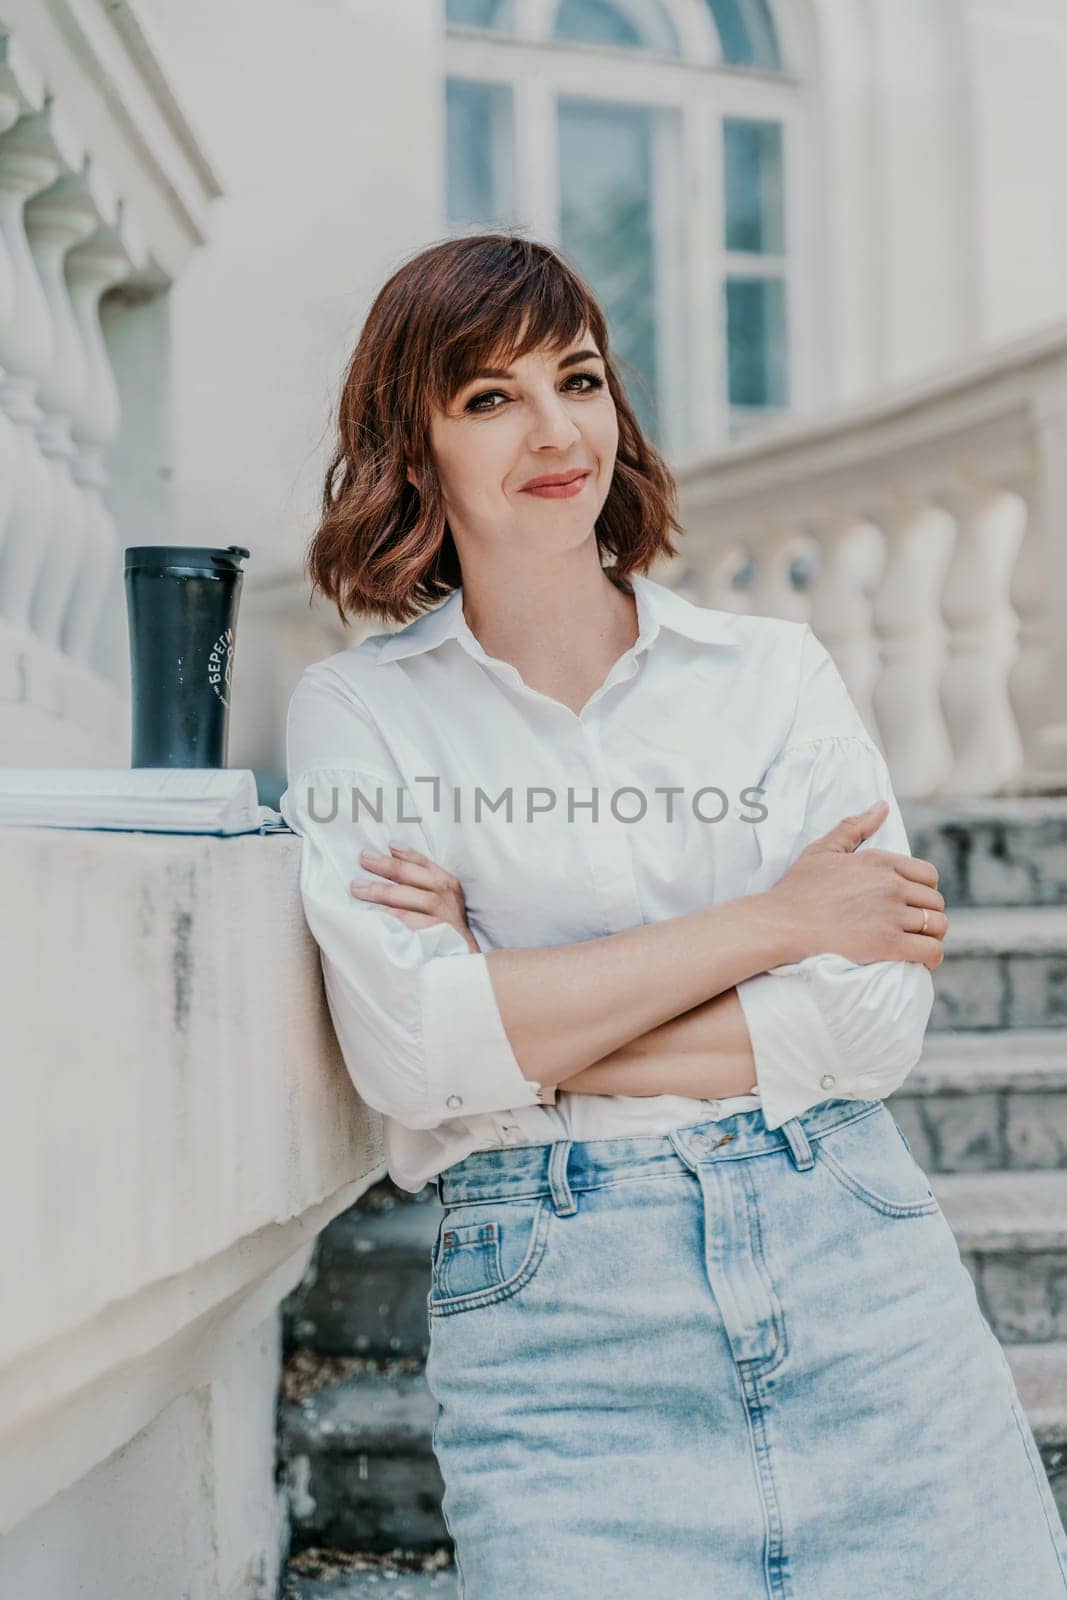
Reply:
x=486 y=1251
x=872 y=1159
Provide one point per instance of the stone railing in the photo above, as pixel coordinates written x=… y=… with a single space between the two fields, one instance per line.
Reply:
x=924 y=538
x=103 y=193
x=178 y=1126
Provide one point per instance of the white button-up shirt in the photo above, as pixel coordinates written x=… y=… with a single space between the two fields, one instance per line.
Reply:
x=716 y=748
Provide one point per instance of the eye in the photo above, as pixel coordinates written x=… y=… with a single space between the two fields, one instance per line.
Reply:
x=475 y=403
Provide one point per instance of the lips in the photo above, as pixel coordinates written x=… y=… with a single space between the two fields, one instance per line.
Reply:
x=558 y=481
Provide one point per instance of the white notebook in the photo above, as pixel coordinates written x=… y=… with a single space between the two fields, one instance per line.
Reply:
x=219 y=800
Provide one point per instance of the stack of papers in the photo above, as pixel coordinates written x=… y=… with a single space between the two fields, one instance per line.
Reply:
x=219 y=800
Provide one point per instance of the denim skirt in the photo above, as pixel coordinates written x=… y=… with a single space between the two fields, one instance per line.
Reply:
x=726 y=1362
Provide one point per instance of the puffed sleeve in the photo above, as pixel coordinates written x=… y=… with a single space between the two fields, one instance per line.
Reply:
x=826 y=1027
x=414 y=1009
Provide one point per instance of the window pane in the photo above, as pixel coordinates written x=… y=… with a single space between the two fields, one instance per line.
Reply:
x=479 y=135
x=480 y=13
x=606 y=227
x=601 y=22
x=596 y=22
x=755 y=213
x=756 y=341
x=747 y=32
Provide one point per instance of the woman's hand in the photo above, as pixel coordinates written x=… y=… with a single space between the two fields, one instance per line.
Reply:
x=419 y=892
x=866 y=905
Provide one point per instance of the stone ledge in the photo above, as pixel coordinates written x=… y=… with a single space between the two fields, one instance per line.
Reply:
x=180 y=1126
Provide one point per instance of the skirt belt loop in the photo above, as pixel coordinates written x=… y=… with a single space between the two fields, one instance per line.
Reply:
x=799 y=1146
x=562 y=1194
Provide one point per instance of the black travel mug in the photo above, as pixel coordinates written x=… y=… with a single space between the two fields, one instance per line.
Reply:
x=182 y=605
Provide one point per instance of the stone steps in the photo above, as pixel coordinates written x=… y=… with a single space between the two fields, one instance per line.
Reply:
x=993 y=852
x=1011 y=1228
x=329 y=1577
x=1004 y=967
x=979 y=1102
x=366 y=1291
x=361 y=1466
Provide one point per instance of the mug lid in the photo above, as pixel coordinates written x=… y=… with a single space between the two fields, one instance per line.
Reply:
x=186 y=555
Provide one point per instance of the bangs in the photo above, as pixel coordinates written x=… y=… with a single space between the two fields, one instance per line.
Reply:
x=539 y=307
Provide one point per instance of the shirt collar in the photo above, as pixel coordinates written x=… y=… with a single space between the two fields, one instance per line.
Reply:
x=657 y=607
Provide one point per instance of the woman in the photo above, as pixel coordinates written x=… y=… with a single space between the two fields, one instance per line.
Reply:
x=621 y=933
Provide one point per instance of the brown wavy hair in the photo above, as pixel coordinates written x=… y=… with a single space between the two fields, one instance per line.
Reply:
x=383 y=544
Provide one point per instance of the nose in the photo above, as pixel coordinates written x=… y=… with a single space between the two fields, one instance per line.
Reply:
x=553 y=426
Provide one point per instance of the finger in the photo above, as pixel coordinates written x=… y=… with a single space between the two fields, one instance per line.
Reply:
x=851 y=831
x=915 y=869
x=400 y=895
x=920 y=894
x=411 y=855
x=400 y=870
x=933 y=923
x=920 y=947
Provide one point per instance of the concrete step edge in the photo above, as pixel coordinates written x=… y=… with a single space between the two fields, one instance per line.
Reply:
x=999 y=1212
x=1025 y=811
x=958 y=1061
x=1005 y=930
x=369 y=1410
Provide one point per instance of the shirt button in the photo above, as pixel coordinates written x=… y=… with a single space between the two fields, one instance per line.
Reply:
x=453 y=1101
x=827 y=1080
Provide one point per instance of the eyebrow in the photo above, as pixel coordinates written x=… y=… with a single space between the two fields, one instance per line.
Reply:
x=568 y=361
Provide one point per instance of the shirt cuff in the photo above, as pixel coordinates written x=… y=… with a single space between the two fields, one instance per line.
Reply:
x=793 y=1048
x=468 y=1061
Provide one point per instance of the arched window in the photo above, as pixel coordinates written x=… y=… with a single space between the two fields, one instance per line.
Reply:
x=642 y=23
x=746 y=29
x=651 y=141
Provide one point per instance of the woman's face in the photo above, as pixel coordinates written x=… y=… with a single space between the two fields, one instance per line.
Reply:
x=549 y=414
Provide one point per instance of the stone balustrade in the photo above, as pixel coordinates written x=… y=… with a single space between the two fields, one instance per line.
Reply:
x=103 y=193
x=924 y=538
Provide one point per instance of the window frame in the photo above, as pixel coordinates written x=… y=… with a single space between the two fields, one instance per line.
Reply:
x=695 y=416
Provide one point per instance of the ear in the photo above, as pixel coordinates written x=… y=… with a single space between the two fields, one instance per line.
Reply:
x=411 y=478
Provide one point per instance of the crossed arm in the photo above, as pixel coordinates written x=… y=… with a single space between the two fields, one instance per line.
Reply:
x=705 y=1052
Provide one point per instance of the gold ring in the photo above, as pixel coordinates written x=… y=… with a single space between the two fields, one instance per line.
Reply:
x=926 y=918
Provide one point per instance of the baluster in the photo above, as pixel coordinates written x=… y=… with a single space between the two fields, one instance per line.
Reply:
x=982 y=628
x=849 y=555
x=714 y=568
x=56 y=219
x=103 y=260
x=1028 y=679
x=774 y=594
x=31 y=154
x=906 y=614
x=1039 y=593
x=13 y=101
